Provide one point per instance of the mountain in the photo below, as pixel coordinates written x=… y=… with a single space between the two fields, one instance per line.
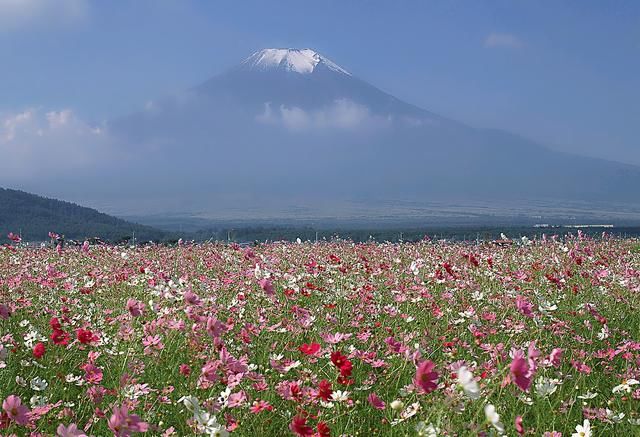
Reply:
x=290 y=127
x=33 y=217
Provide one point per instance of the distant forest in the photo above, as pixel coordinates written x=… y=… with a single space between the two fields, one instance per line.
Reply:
x=33 y=217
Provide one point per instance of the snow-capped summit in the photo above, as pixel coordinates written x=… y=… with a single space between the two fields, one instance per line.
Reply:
x=302 y=61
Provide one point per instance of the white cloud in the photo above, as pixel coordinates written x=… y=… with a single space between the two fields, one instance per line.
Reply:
x=19 y=14
x=35 y=142
x=505 y=40
x=342 y=114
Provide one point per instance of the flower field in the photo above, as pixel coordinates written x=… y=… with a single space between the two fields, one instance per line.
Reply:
x=430 y=338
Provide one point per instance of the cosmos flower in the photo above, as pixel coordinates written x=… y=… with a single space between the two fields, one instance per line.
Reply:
x=17 y=412
x=493 y=418
x=426 y=379
x=468 y=383
x=123 y=424
x=583 y=430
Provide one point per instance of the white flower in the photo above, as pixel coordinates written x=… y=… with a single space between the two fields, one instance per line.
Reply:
x=583 y=430
x=38 y=401
x=38 y=384
x=493 y=418
x=425 y=430
x=546 y=386
x=604 y=333
x=397 y=405
x=30 y=338
x=615 y=418
x=191 y=402
x=410 y=411
x=340 y=396
x=468 y=383
x=588 y=395
x=625 y=386
x=73 y=379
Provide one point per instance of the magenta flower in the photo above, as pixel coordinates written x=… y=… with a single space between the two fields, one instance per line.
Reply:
x=375 y=401
x=92 y=373
x=17 y=412
x=556 y=357
x=524 y=306
x=520 y=371
x=267 y=286
x=135 y=307
x=426 y=378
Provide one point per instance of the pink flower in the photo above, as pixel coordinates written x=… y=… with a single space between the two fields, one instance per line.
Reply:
x=335 y=338
x=191 y=298
x=426 y=378
x=69 y=431
x=555 y=357
x=17 y=412
x=92 y=373
x=375 y=401
x=124 y=424
x=267 y=286
x=96 y=393
x=135 y=307
x=151 y=342
x=215 y=327
x=524 y=306
x=518 y=425
x=237 y=399
x=13 y=237
x=259 y=406
x=520 y=371
x=4 y=312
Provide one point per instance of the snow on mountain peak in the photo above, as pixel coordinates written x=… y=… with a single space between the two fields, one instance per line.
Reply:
x=302 y=61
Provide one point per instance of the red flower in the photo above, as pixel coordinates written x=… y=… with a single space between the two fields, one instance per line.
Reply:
x=323 y=430
x=55 y=323
x=324 y=390
x=85 y=336
x=309 y=349
x=185 y=370
x=345 y=369
x=59 y=337
x=299 y=427
x=338 y=359
x=426 y=378
x=38 y=351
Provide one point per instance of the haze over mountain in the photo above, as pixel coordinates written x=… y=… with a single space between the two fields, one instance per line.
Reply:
x=289 y=128
x=292 y=124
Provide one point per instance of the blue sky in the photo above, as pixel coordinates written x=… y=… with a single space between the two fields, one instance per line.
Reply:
x=564 y=73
